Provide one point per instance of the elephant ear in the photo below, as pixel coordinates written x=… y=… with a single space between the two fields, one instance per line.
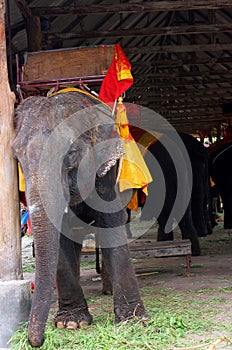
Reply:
x=96 y=148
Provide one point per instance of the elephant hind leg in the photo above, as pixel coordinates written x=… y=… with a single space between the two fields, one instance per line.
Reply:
x=227 y=204
x=127 y=301
x=107 y=287
x=188 y=231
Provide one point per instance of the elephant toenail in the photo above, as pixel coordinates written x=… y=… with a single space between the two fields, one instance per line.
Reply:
x=72 y=325
x=83 y=324
x=60 y=325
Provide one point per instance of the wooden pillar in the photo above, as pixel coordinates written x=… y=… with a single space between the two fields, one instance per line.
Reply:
x=33 y=27
x=219 y=131
x=34 y=34
x=210 y=135
x=10 y=239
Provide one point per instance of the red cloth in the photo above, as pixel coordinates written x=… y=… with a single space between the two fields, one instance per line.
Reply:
x=118 y=78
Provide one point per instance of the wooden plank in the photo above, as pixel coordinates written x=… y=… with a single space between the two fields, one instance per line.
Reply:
x=67 y=63
x=143 y=248
x=160 y=249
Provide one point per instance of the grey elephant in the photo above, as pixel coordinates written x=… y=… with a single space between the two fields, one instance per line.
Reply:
x=68 y=148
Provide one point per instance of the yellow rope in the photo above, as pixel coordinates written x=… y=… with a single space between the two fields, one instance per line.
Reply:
x=73 y=89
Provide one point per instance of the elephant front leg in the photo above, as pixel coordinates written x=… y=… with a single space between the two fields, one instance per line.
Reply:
x=73 y=311
x=127 y=300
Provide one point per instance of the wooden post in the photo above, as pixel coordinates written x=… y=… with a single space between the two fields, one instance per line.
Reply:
x=10 y=239
x=33 y=27
x=34 y=34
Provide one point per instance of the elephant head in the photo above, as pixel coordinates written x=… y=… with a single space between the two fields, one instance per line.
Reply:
x=61 y=142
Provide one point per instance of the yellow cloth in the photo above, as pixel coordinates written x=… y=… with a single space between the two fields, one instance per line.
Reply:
x=22 y=186
x=74 y=89
x=134 y=203
x=133 y=171
x=212 y=183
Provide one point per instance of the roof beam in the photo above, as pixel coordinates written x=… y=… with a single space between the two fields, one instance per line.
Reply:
x=182 y=104
x=192 y=29
x=194 y=84
x=23 y=7
x=188 y=111
x=167 y=95
x=194 y=74
x=133 y=7
x=179 y=63
x=177 y=48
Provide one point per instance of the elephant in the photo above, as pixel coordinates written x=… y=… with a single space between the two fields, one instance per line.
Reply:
x=220 y=171
x=68 y=148
x=162 y=192
x=195 y=220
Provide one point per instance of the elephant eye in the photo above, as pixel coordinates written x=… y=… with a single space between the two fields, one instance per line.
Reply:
x=71 y=152
x=70 y=158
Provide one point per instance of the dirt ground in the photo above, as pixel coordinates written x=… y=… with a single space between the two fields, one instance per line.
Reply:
x=211 y=270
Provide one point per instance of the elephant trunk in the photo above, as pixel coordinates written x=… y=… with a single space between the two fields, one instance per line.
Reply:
x=46 y=242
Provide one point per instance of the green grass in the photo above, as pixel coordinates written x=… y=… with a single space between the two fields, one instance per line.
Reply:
x=88 y=265
x=175 y=317
x=29 y=264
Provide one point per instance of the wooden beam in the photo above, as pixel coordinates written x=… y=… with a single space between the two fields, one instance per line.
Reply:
x=194 y=84
x=138 y=32
x=34 y=34
x=186 y=104
x=133 y=7
x=203 y=119
x=189 y=111
x=194 y=126
x=171 y=93
x=194 y=118
x=23 y=7
x=177 y=48
x=179 y=63
x=208 y=74
x=33 y=27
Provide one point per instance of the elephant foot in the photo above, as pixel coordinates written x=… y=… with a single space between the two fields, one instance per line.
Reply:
x=107 y=288
x=161 y=236
x=227 y=226
x=130 y=312
x=72 y=319
x=107 y=291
